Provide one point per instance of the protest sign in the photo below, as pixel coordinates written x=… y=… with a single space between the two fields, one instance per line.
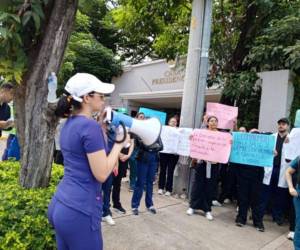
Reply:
x=183 y=147
x=170 y=137
x=253 y=149
x=226 y=114
x=211 y=146
x=292 y=148
x=297 y=119
x=154 y=113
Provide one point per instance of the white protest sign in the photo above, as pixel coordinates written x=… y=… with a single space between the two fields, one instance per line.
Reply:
x=170 y=137
x=183 y=147
x=292 y=148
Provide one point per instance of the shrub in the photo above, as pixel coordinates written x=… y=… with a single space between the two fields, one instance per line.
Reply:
x=23 y=212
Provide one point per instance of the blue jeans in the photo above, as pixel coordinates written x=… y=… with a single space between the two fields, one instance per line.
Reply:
x=132 y=169
x=146 y=169
x=106 y=191
x=297 y=228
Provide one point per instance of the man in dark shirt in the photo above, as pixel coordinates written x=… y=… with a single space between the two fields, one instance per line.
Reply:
x=274 y=188
x=6 y=96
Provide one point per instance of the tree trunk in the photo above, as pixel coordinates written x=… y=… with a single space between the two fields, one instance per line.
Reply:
x=35 y=120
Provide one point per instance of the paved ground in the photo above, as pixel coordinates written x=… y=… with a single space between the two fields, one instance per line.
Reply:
x=172 y=229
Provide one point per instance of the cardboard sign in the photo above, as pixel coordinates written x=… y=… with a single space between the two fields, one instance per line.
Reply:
x=170 y=138
x=292 y=148
x=211 y=146
x=183 y=147
x=253 y=149
x=162 y=116
x=226 y=114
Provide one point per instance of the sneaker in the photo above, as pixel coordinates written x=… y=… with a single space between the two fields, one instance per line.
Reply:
x=190 y=211
x=260 y=227
x=135 y=211
x=168 y=193
x=227 y=201
x=152 y=210
x=160 y=191
x=109 y=220
x=216 y=203
x=209 y=216
x=291 y=235
x=120 y=210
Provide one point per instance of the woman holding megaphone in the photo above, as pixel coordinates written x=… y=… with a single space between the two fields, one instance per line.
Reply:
x=75 y=209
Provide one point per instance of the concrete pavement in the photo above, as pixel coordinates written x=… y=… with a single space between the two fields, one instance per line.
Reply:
x=172 y=229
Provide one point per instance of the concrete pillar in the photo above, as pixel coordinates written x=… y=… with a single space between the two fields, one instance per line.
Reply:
x=276 y=98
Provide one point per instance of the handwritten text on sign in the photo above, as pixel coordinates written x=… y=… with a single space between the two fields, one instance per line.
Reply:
x=226 y=114
x=253 y=149
x=211 y=146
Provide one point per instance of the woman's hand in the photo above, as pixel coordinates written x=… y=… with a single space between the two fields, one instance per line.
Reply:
x=120 y=136
x=123 y=157
x=293 y=192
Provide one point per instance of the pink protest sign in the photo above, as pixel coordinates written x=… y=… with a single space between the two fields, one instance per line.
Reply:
x=226 y=114
x=211 y=146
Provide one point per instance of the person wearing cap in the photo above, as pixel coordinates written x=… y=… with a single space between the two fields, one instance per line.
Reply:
x=75 y=208
x=274 y=182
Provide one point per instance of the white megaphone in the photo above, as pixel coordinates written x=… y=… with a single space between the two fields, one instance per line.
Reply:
x=148 y=130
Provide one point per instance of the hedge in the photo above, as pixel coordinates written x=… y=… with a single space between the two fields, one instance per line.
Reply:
x=23 y=212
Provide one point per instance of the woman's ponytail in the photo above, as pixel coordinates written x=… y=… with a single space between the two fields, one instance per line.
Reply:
x=66 y=105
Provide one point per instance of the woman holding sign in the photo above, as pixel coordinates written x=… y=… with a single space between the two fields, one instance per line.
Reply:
x=206 y=177
x=167 y=166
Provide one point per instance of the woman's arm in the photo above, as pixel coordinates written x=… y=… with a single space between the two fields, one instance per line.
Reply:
x=288 y=175
x=101 y=164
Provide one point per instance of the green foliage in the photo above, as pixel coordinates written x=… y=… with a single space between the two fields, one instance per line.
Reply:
x=151 y=28
x=20 y=25
x=86 y=54
x=279 y=45
x=243 y=91
x=23 y=212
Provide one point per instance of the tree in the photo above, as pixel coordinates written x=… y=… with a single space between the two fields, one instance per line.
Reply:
x=33 y=38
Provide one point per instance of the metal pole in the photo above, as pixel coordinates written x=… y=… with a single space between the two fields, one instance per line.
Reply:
x=204 y=63
x=194 y=84
x=192 y=66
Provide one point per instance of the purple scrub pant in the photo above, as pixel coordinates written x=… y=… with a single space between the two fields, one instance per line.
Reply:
x=73 y=229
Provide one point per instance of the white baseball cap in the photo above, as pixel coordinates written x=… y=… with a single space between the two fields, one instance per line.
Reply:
x=83 y=83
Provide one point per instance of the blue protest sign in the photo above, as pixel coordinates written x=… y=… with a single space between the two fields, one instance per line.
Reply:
x=297 y=119
x=162 y=116
x=253 y=149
